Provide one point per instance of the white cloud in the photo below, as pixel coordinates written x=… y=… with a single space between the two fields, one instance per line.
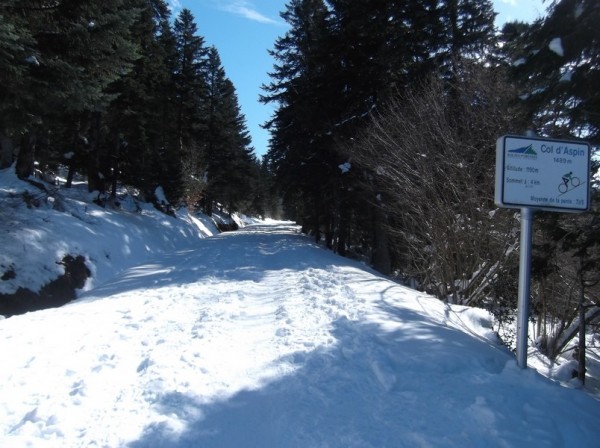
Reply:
x=247 y=10
x=510 y=2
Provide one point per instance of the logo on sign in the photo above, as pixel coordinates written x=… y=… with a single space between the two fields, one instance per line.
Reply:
x=526 y=152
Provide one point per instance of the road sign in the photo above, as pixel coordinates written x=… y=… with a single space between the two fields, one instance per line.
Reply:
x=542 y=174
x=539 y=174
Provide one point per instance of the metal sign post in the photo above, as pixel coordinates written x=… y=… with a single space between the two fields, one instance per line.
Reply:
x=539 y=174
x=524 y=285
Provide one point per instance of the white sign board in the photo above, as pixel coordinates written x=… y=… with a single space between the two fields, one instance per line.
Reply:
x=542 y=174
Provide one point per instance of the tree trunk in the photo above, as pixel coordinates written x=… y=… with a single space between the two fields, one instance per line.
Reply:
x=581 y=345
x=329 y=232
x=114 y=166
x=96 y=181
x=342 y=241
x=7 y=155
x=381 y=254
x=79 y=146
x=26 y=156
x=342 y=237
x=208 y=204
x=70 y=174
x=317 y=224
x=556 y=345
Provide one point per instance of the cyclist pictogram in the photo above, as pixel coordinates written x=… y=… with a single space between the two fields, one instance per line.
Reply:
x=568 y=182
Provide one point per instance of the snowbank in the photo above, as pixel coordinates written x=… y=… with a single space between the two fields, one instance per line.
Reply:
x=37 y=230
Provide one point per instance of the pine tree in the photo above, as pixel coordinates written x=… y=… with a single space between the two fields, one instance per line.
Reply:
x=267 y=202
x=337 y=65
x=467 y=31
x=137 y=119
x=559 y=67
x=369 y=39
x=372 y=41
x=169 y=159
x=17 y=56
x=189 y=82
x=190 y=92
x=231 y=167
x=301 y=148
x=81 y=49
x=386 y=46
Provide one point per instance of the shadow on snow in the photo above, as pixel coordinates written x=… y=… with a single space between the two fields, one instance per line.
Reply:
x=420 y=385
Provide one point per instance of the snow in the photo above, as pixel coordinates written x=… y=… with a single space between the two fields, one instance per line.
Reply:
x=345 y=167
x=253 y=338
x=32 y=60
x=159 y=193
x=567 y=76
x=34 y=240
x=556 y=46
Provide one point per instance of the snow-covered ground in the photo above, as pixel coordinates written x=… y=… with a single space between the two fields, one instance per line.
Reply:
x=255 y=338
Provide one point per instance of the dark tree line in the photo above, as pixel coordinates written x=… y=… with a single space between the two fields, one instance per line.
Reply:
x=383 y=143
x=337 y=66
x=118 y=92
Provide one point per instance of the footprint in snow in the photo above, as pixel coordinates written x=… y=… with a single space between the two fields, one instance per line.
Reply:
x=282 y=332
x=146 y=362
x=77 y=388
x=105 y=361
x=281 y=312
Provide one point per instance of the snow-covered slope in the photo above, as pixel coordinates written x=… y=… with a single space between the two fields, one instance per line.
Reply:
x=259 y=338
x=38 y=229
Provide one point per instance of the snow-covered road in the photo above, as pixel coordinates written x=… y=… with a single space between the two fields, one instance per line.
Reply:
x=259 y=338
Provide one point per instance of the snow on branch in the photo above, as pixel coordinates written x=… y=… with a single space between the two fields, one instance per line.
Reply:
x=556 y=46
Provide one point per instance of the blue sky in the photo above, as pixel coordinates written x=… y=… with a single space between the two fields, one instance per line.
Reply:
x=244 y=30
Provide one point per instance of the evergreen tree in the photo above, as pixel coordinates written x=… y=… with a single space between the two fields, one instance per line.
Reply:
x=337 y=65
x=111 y=90
x=169 y=160
x=137 y=119
x=369 y=39
x=231 y=168
x=190 y=90
x=267 y=202
x=467 y=31
x=17 y=55
x=81 y=49
x=301 y=148
x=386 y=46
x=558 y=63
x=190 y=84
